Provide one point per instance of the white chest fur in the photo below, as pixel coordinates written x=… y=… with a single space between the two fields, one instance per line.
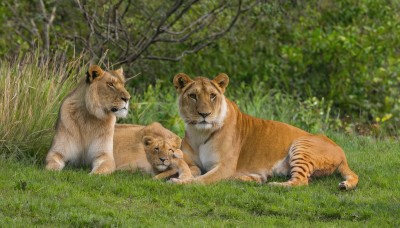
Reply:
x=207 y=158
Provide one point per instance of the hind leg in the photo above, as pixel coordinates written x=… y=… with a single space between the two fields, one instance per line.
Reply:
x=315 y=156
x=351 y=179
x=300 y=171
x=301 y=164
x=250 y=177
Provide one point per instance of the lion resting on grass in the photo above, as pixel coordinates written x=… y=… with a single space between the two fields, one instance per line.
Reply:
x=85 y=125
x=151 y=149
x=226 y=143
x=167 y=159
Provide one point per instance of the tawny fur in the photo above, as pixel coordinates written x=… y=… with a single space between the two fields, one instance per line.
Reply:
x=226 y=143
x=134 y=151
x=85 y=125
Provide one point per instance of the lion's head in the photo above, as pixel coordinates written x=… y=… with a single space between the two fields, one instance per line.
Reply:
x=201 y=100
x=161 y=146
x=105 y=93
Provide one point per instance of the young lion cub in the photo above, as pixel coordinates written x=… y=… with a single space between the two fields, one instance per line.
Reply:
x=166 y=159
x=148 y=149
x=85 y=126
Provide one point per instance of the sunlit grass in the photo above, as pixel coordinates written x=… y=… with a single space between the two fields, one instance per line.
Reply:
x=29 y=195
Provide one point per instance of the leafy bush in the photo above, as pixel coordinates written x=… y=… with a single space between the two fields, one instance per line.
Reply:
x=343 y=52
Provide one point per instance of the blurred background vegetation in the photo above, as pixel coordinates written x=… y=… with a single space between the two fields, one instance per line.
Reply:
x=317 y=64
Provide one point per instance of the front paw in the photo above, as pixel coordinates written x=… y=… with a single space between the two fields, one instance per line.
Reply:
x=181 y=181
x=159 y=177
x=103 y=170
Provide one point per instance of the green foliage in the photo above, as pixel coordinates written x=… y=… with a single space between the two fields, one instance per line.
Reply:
x=31 y=196
x=343 y=52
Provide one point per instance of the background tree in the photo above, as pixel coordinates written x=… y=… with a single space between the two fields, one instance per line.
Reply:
x=128 y=30
x=343 y=54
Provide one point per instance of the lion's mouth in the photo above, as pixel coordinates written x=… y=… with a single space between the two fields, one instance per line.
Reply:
x=119 y=112
x=193 y=122
x=115 y=109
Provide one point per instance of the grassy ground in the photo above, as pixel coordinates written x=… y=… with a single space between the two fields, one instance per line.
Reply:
x=29 y=195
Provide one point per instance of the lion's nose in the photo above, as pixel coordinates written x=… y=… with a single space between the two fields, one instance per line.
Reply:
x=163 y=159
x=126 y=99
x=204 y=115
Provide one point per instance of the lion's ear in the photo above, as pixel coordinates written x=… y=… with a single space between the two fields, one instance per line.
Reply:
x=178 y=153
x=119 y=71
x=93 y=72
x=181 y=80
x=120 y=74
x=148 y=140
x=178 y=141
x=222 y=81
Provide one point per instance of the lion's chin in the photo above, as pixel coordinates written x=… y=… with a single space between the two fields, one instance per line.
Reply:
x=203 y=125
x=122 y=113
x=161 y=167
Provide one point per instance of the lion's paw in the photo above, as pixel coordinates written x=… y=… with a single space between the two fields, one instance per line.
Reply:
x=180 y=181
x=102 y=171
x=54 y=166
x=343 y=185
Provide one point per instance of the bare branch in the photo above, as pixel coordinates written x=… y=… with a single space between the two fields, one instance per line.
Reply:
x=179 y=57
x=200 y=22
x=160 y=30
x=146 y=43
x=28 y=24
x=47 y=23
x=205 y=41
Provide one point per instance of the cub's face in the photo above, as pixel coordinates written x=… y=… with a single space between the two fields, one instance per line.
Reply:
x=201 y=100
x=106 y=92
x=160 y=152
x=159 y=143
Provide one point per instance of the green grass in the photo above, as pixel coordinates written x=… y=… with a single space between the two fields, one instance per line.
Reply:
x=29 y=195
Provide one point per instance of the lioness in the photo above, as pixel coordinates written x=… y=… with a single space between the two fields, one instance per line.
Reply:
x=146 y=148
x=85 y=125
x=226 y=143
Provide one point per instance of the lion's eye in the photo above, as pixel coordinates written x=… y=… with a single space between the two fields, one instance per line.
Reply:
x=156 y=149
x=193 y=96
x=213 y=96
x=110 y=84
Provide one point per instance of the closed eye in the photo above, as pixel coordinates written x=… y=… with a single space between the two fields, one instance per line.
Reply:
x=110 y=84
x=213 y=96
x=193 y=96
